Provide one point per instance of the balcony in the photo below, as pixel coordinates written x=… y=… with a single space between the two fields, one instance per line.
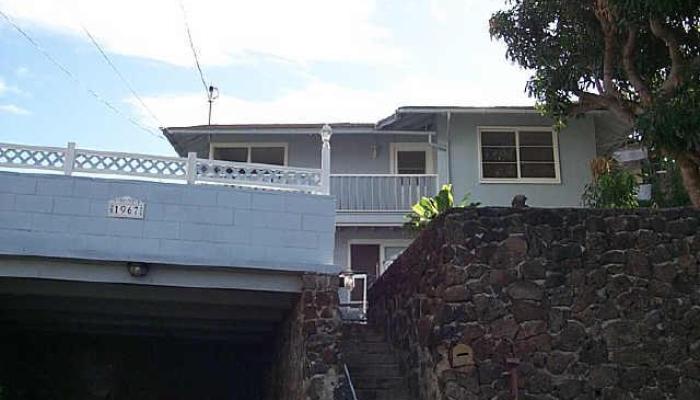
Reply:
x=381 y=199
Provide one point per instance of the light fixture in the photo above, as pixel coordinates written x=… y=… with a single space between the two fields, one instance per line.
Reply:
x=137 y=269
x=347 y=280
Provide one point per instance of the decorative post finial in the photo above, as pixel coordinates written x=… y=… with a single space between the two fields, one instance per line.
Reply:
x=326 y=133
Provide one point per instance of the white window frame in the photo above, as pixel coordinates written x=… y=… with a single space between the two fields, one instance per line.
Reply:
x=249 y=146
x=517 y=130
x=395 y=147
x=382 y=243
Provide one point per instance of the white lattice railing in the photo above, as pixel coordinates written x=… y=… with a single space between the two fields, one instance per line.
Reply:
x=192 y=169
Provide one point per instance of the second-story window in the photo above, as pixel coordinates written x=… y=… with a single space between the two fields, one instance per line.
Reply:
x=411 y=158
x=259 y=153
x=410 y=162
x=519 y=155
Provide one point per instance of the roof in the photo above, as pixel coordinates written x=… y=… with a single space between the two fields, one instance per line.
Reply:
x=422 y=117
x=405 y=120
x=281 y=127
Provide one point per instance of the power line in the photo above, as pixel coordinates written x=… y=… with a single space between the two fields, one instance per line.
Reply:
x=121 y=76
x=212 y=92
x=74 y=79
x=194 y=50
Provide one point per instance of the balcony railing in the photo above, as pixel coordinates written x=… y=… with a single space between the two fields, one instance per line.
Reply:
x=380 y=192
x=70 y=160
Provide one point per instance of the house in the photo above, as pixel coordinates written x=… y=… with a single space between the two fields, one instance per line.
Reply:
x=238 y=244
x=378 y=170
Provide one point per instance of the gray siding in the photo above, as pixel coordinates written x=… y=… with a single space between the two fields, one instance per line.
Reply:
x=350 y=153
x=61 y=216
x=577 y=146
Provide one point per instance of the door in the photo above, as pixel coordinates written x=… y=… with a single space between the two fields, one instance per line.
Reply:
x=364 y=259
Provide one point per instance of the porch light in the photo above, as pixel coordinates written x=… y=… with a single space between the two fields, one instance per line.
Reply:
x=137 y=269
x=347 y=280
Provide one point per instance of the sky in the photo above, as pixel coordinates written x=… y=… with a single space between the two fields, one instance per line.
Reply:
x=273 y=61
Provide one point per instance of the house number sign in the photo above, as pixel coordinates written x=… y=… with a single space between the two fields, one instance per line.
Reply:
x=126 y=207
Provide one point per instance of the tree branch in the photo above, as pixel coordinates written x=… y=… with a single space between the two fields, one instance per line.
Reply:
x=604 y=16
x=674 y=78
x=629 y=57
x=590 y=101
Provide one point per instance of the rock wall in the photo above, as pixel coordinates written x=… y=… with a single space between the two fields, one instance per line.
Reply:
x=548 y=303
x=308 y=362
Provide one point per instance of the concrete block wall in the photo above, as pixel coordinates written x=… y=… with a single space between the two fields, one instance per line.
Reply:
x=208 y=225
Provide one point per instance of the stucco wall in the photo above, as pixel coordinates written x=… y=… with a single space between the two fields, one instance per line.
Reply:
x=577 y=147
x=209 y=225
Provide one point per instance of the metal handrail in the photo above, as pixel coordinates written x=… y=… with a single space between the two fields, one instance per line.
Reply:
x=352 y=387
x=362 y=302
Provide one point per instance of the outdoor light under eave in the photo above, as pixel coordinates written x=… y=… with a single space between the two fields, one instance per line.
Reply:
x=137 y=269
x=346 y=280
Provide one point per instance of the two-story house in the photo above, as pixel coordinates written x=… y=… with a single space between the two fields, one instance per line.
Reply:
x=378 y=170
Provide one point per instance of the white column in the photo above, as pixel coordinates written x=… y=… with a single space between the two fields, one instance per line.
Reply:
x=69 y=159
x=191 y=167
x=326 y=133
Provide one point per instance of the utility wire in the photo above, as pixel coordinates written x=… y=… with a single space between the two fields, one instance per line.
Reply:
x=121 y=76
x=194 y=50
x=74 y=79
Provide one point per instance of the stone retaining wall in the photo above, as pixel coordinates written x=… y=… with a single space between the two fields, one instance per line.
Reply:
x=551 y=303
x=308 y=362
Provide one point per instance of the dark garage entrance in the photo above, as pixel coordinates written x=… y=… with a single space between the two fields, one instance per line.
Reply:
x=68 y=340
x=77 y=366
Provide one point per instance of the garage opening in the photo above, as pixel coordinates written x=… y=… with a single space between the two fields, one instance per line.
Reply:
x=72 y=340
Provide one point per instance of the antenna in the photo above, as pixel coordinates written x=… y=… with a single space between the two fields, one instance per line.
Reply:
x=211 y=96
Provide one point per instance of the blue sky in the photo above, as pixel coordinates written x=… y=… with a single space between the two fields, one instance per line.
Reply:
x=273 y=61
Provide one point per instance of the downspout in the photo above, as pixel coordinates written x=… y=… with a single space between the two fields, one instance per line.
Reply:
x=449 y=147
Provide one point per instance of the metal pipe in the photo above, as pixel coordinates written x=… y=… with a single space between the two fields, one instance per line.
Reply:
x=347 y=376
x=449 y=147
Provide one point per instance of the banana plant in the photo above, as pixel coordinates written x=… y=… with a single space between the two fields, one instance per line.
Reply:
x=427 y=208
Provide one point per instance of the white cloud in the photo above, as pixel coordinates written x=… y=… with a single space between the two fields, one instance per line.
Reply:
x=6 y=89
x=13 y=109
x=22 y=72
x=324 y=102
x=225 y=32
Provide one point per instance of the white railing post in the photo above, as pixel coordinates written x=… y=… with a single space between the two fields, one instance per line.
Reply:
x=326 y=133
x=191 y=167
x=69 y=159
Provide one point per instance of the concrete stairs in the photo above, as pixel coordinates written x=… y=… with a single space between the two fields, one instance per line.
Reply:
x=373 y=367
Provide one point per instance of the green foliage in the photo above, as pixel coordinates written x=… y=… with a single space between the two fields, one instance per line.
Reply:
x=430 y=207
x=673 y=123
x=614 y=189
x=667 y=188
x=562 y=41
x=638 y=59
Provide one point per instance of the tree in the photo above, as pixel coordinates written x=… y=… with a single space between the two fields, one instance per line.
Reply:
x=638 y=59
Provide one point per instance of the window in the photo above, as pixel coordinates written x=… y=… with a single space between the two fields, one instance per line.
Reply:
x=259 y=153
x=411 y=158
x=526 y=155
